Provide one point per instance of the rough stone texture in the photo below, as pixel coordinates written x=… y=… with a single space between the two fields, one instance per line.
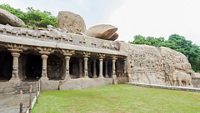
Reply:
x=49 y=84
x=114 y=37
x=103 y=31
x=196 y=80
x=57 y=39
x=79 y=83
x=122 y=80
x=152 y=65
x=180 y=88
x=10 y=103
x=84 y=83
x=71 y=22
x=8 y=18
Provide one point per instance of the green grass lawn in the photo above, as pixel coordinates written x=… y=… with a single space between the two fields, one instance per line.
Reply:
x=118 y=99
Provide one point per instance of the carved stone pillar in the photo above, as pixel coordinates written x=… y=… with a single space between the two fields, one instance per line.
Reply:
x=106 y=69
x=67 y=58
x=86 y=55
x=44 y=55
x=85 y=67
x=100 y=67
x=67 y=54
x=15 y=71
x=125 y=66
x=101 y=57
x=114 y=76
x=80 y=68
x=44 y=66
x=94 y=69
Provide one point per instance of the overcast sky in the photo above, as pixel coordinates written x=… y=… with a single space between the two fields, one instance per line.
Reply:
x=159 y=18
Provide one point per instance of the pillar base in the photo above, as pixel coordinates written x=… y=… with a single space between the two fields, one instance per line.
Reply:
x=115 y=81
x=15 y=80
x=44 y=78
x=67 y=78
x=94 y=76
x=101 y=77
x=86 y=77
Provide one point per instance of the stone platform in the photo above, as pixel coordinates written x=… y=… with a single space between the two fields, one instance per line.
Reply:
x=79 y=83
x=181 y=88
x=10 y=103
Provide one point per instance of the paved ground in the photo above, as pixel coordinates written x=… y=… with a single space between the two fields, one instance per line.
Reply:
x=9 y=103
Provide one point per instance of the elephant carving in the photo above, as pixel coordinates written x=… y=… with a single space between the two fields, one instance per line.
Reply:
x=181 y=78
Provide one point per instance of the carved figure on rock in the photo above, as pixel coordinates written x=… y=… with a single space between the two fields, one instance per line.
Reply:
x=182 y=78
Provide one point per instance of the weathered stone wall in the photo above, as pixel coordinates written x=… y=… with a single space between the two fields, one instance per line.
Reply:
x=74 y=83
x=196 y=82
x=153 y=65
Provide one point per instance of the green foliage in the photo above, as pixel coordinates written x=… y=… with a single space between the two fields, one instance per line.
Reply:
x=176 y=42
x=33 y=18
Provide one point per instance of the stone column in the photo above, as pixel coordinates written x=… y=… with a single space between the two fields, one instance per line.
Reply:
x=15 y=71
x=67 y=76
x=80 y=68
x=44 y=66
x=85 y=66
x=94 y=69
x=101 y=68
x=125 y=66
x=106 y=69
x=114 y=76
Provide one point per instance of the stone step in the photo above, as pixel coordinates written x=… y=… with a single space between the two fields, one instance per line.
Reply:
x=25 y=86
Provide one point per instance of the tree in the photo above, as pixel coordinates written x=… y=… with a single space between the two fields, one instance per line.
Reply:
x=33 y=18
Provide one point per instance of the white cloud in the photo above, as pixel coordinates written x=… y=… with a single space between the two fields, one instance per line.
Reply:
x=157 y=18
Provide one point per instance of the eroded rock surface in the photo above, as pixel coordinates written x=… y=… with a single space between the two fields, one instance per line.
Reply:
x=71 y=22
x=103 y=31
x=153 y=65
x=8 y=18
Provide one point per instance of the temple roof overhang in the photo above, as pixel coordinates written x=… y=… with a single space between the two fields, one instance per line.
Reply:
x=56 y=44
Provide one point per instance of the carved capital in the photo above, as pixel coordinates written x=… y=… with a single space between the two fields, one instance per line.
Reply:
x=15 y=47
x=44 y=50
x=114 y=57
x=68 y=52
x=101 y=56
x=86 y=54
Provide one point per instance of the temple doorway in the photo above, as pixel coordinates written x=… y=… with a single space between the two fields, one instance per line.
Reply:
x=31 y=66
x=56 y=66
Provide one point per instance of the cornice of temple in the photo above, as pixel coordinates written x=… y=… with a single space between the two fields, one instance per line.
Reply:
x=58 y=38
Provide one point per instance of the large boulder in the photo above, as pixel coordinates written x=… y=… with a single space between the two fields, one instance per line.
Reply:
x=157 y=65
x=8 y=18
x=103 y=31
x=71 y=22
x=114 y=37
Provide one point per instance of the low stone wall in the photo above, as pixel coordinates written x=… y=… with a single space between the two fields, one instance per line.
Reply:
x=9 y=87
x=74 y=83
x=122 y=80
x=196 y=82
x=166 y=87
